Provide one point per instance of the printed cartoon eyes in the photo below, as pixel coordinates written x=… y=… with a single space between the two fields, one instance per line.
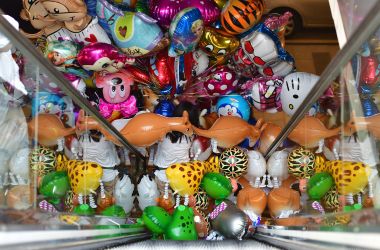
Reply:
x=116 y=81
x=105 y=65
x=122 y=91
x=56 y=10
x=112 y=91
x=222 y=52
x=209 y=48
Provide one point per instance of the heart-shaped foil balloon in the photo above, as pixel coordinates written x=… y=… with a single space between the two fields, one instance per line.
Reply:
x=165 y=10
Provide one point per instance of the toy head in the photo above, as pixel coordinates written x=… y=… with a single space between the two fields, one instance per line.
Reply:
x=34 y=12
x=65 y=10
x=116 y=86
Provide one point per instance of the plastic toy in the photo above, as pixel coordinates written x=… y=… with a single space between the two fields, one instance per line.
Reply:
x=228 y=131
x=216 y=186
x=252 y=201
x=319 y=184
x=143 y=130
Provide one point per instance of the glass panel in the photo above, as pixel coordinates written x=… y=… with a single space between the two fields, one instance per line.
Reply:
x=53 y=172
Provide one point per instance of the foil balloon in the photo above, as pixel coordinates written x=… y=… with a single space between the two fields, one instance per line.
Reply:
x=217 y=45
x=116 y=92
x=184 y=67
x=165 y=10
x=233 y=105
x=349 y=177
x=114 y=211
x=369 y=73
x=84 y=176
x=185 y=178
x=242 y=65
x=216 y=186
x=201 y=62
x=264 y=49
x=301 y=163
x=201 y=224
x=159 y=70
x=147 y=192
x=102 y=57
x=296 y=87
x=318 y=185
x=277 y=167
x=283 y=202
x=220 y=3
x=239 y=16
x=229 y=220
x=221 y=81
x=42 y=161
x=123 y=193
x=252 y=201
x=268 y=136
x=264 y=93
x=185 y=31
x=136 y=34
x=63 y=55
x=54 y=186
x=165 y=108
x=181 y=226
x=233 y=162
x=256 y=168
x=156 y=219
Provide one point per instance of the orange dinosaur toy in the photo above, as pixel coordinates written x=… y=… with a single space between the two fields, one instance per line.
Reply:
x=228 y=131
x=143 y=130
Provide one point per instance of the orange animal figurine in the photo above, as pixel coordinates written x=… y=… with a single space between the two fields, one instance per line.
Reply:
x=252 y=201
x=268 y=136
x=310 y=131
x=49 y=130
x=370 y=124
x=150 y=99
x=229 y=131
x=143 y=130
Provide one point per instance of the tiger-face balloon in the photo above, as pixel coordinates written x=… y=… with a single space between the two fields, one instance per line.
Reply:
x=239 y=16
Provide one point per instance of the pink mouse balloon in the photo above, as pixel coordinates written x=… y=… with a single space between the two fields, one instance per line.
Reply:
x=116 y=92
x=102 y=57
x=221 y=81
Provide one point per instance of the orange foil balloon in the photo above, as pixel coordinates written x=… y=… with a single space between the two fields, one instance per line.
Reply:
x=220 y=3
x=217 y=45
x=252 y=201
x=239 y=16
x=283 y=202
x=48 y=128
x=201 y=224
x=268 y=136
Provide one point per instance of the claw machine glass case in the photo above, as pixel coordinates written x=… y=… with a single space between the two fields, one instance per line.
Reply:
x=60 y=183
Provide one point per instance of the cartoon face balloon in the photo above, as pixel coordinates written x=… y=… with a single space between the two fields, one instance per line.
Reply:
x=264 y=93
x=233 y=105
x=217 y=45
x=221 y=81
x=102 y=57
x=62 y=54
x=185 y=31
x=164 y=11
x=295 y=88
x=239 y=16
x=134 y=33
x=116 y=87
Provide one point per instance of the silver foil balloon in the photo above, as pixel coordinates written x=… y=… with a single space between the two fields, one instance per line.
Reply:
x=231 y=223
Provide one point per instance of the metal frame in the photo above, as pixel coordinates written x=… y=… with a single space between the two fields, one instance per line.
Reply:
x=35 y=56
x=361 y=34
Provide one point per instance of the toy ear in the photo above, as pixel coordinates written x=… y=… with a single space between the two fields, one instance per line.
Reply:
x=24 y=16
x=79 y=2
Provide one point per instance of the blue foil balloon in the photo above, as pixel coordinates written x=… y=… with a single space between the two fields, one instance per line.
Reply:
x=165 y=108
x=233 y=105
x=185 y=31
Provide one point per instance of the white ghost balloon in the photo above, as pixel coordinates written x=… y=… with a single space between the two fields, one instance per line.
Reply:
x=148 y=192
x=295 y=88
x=256 y=168
x=19 y=167
x=277 y=167
x=123 y=193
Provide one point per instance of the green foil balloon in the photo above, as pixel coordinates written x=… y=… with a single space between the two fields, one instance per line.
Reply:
x=54 y=186
x=319 y=184
x=114 y=211
x=216 y=186
x=84 y=210
x=182 y=226
x=156 y=219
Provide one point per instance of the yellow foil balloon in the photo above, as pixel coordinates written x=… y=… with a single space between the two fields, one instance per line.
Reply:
x=84 y=176
x=350 y=177
x=220 y=3
x=184 y=178
x=217 y=45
